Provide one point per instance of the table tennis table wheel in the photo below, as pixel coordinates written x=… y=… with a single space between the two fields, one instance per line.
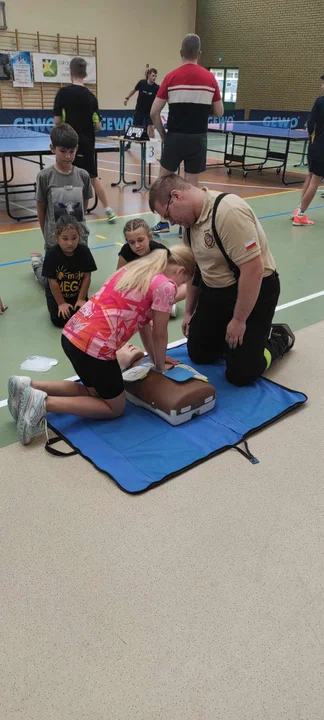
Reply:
x=229 y=171
x=245 y=172
x=278 y=171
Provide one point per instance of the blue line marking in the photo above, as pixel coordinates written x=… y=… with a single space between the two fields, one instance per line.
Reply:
x=102 y=247
x=288 y=212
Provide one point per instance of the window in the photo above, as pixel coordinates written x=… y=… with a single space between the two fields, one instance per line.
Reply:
x=227 y=79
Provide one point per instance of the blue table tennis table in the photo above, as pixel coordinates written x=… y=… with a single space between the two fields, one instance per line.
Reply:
x=240 y=139
x=27 y=145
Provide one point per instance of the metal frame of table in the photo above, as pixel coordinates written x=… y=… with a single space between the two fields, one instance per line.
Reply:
x=143 y=165
x=8 y=188
x=237 y=159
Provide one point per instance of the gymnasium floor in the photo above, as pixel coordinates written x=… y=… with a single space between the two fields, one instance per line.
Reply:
x=203 y=598
x=298 y=252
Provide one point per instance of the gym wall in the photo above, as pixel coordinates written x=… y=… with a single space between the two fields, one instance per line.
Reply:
x=278 y=48
x=129 y=35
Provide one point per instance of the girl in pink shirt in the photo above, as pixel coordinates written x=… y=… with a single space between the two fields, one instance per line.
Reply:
x=142 y=291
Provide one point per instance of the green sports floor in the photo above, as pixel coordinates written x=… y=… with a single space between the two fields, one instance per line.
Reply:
x=25 y=328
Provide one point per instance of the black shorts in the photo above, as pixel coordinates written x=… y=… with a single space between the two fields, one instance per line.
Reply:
x=187 y=148
x=315 y=162
x=102 y=375
x=141 y=119
x=86 y=159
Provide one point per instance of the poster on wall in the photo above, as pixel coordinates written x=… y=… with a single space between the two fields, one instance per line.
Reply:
x=56 y=68
x=22 y=69
x=5 y=66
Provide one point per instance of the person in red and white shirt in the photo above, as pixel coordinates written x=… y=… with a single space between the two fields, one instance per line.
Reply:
x=193 y=95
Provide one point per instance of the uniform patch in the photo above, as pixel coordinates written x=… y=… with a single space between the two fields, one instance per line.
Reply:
x=209 y=239
x=250 y=244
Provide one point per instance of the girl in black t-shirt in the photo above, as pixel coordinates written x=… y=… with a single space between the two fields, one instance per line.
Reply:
x=139 y=242
x=68 y=267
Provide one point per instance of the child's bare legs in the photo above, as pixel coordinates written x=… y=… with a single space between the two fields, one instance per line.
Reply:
x=2 y=307
x=103 y=197
x=75 y=399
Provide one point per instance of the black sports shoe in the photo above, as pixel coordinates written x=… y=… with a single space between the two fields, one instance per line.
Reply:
x=127 y=146
x=285 y=334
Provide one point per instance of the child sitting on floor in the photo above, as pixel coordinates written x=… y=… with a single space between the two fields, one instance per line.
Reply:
x=67 y=267
x=139 y=242
x=125 y=304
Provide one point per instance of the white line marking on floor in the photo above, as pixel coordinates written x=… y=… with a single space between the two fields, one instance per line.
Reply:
x=3 y=403
x=300 y=300
x=20 y=206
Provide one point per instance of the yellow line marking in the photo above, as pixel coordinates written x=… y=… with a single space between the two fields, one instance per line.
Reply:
x=121 y=244
x=280 y=192
x=101 y=237
x=119 y=217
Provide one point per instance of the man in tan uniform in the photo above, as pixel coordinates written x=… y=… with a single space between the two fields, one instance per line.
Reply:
x=233 y=296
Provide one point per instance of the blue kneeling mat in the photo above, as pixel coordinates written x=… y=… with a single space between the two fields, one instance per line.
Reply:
x=140 y=450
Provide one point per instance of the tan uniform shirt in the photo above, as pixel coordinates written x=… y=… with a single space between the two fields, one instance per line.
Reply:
x=242 y=236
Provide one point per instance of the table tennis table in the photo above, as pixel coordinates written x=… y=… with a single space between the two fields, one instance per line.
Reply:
x=28 y=144
x=240 y=139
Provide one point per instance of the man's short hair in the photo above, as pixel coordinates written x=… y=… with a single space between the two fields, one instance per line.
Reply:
x=163 y=186
x=191 y=47
x=64 y=136
x=152 y=70
x=78 y=67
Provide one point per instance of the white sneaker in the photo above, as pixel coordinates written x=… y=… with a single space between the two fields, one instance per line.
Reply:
x=174 y=311
x=16 y=386
x=32 y=412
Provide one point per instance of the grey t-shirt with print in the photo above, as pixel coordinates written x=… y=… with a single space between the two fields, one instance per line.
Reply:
x=63 y=194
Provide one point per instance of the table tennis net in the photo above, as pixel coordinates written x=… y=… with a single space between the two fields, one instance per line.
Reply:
x=19 y=132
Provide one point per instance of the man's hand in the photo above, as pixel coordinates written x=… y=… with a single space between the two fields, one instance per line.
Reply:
x=235 y=333
x=79 y=304
x=65 y=310
x=125 y=101
x=185 y=324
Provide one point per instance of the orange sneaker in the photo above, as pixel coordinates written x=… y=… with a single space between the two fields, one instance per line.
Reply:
x=302 y=220
x=293 y=215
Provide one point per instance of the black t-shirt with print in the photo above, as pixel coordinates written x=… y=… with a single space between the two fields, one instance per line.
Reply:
x=146 y=96
x=128 y=254
x=68 y=270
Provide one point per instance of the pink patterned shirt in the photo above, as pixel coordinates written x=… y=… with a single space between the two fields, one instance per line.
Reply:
x=110 y=318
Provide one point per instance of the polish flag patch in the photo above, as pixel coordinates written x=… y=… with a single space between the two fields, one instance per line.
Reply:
x=250 y=244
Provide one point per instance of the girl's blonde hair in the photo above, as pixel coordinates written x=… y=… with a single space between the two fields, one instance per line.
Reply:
x=138 y=274
x=134 y=224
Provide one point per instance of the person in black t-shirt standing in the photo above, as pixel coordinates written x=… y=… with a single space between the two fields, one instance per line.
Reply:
x=77 y=106
x=147 y=90
x=68 y=267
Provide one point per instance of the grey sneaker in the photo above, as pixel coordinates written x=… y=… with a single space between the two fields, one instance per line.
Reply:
x=32 y=412
x=36 y=259
x=174 y=311
x=110 y=214
x=16 y=385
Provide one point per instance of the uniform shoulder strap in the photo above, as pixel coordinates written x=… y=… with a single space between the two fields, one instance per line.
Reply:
x=234 y=268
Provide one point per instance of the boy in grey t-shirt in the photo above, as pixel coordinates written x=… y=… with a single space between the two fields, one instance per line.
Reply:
x=61 y=189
